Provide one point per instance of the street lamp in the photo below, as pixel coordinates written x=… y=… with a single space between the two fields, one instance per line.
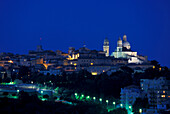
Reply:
x=75 y=94
x=107 y=101
x=100 y=99
x=88 y=97
x=94 y=98
x=130 y=107
x=121 y=105
x=114 y=104
x=140 y=110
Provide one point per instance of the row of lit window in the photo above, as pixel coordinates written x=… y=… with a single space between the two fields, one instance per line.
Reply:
x=162 y=91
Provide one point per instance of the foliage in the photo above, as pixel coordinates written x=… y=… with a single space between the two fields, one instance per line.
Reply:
x=118 y=111
x=140 y=103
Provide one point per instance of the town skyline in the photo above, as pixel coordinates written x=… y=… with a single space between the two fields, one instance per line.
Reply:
x=62 y=25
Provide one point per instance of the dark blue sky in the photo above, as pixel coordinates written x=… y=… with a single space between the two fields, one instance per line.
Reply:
x=65 y=23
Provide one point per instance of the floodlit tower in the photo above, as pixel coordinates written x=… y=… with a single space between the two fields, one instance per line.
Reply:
x=106 y=46
x=119 y=45
x=119 y=48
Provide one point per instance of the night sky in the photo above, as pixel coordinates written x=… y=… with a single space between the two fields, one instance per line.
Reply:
x=65 y=23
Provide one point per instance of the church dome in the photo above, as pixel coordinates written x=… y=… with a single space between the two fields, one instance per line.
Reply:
x=126 y=44
x=106 y=40
x=119 y=42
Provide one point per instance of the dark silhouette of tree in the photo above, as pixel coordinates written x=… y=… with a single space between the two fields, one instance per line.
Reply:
x=140 y=103
x=5 y=93
x=46 y=96
x=155 y=63
x=118 y=111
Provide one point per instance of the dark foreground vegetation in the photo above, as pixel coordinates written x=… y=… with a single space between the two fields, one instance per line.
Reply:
x=32 y=105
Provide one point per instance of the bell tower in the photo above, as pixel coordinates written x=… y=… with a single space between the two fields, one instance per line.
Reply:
x=106 y=47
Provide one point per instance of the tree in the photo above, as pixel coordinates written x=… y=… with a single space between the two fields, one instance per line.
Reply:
x=155 y=63
x=46 y=96
x=5 y=93
x=140 y=103
x=118 y=111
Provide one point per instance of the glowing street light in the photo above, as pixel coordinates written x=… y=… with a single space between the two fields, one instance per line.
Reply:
x=100 y=99
x=88 y=97
x=18 y=90
x=41 y=92
x=121 y=105
x=140 y=110
x=114 y=104
x=94 y=98
x=82 y=95
x=75 y=94
x=107 y=101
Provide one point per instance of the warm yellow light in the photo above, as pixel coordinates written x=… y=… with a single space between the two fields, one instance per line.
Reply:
x=163 y=91
x=75 y=68
x=140 y=110
x=159 y=69
x=71 y=63
x=153 y=67
x=46 y=66
x=94 y=73
x=103 y=71
x=75 y=64
x=10 y=61
x=162 y=95
x=91 y=63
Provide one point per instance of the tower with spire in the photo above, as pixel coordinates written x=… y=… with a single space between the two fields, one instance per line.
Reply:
x=106 y=47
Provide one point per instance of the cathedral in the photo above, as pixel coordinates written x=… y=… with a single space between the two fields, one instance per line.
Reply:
x=123 y=50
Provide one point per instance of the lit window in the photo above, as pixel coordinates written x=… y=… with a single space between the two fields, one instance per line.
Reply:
x=94 y=73
x=75 y=64
x=71 y=63
x=163 y=91
x=10 y=61
x=91 y=63
x=162 y=95
x=153 y=67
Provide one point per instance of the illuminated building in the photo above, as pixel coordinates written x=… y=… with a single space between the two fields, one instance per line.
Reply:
x=129 y=95
x=92 y=60
x=52 y=72
x=106 y=47
x=157 y=91
x=123 y=50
